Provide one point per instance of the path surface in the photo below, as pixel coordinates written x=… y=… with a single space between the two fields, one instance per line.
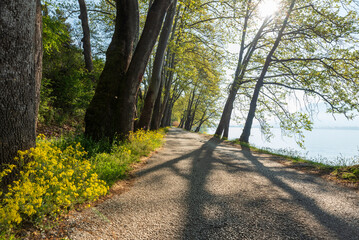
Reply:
x=196 y=188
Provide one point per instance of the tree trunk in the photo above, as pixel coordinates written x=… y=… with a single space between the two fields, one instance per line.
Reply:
x=99 y=118
x=201 y=121
x=243 y=61
x=156 y=79
x=182 y=121
x=126 y=102
x=188 y=112
x=166 y=119
x=227 y=111
x=17 y=77
x=156 y=115
x=194 y=112
x=38 y=57
x=253 y=105
x=86 y=35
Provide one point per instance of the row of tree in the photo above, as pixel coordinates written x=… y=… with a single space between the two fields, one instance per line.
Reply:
x=135 y=87
x=166 y=61
x=307 y=46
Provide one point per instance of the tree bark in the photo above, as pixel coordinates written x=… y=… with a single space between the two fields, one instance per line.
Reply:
x=253 y=105
x=201 y=121
x=38 y=56
x=188 y=112
x=227 y=111
x=156 y=79
x=126 y=102
x=156 y=115
x=166 y=119
x=86 y=41
x=169 y=72
x=112 y=110
x=17 y=77
x=243 y=61
x=99 y=118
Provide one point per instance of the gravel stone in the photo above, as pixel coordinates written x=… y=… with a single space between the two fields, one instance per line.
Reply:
x=200 y=188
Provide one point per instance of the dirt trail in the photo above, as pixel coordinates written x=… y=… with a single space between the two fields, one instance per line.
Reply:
x=199 y=188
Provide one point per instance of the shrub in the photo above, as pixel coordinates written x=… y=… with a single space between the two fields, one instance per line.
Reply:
x=50 y=181
x=143 y=142
x=59 y=173
x=113 y=166
x=116 y=164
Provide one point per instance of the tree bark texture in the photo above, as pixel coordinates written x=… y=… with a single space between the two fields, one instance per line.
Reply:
x=126 y=102
x=112 y=110
x=156 y=79
x=99 y=118
x=38 y=56
x=253 y=105
x=17 y=77
x=86 y=41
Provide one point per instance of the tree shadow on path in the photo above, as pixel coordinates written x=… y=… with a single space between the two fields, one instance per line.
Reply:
x=217 y=209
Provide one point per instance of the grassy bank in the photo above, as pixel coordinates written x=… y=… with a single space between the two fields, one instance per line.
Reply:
x=66 y=171
x=342 y=172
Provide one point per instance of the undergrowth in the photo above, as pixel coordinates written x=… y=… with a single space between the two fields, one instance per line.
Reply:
x=60 y=173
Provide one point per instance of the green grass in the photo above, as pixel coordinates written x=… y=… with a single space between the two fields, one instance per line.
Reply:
x=343 y=168
x=113 y=161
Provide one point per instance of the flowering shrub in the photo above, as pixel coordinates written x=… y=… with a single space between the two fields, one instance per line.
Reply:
x=56 y=175
x=49 y=183
x=143 y=142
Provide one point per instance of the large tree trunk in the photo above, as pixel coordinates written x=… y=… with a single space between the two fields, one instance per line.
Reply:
x=112 y=110
x=156 y=78
x=99 y=118
x=253 y=105
x=126 y=102
x=17 y=77
x=38 y=56
x=86 y=36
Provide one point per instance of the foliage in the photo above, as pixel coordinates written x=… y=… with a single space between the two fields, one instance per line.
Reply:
x=116 y=164
x=50 y=181
x=348 y=173
x=59 y=173
x=91 y=147
x=316 y=61
x=67 y=87
x=112 y=161
x=199 y=47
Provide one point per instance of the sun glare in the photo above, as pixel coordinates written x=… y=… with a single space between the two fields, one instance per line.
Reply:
x=268 y=8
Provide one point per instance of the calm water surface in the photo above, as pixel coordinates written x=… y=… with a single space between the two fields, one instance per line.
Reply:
x=320 y=143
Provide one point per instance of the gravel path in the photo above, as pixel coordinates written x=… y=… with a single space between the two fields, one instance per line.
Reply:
x=196 y=188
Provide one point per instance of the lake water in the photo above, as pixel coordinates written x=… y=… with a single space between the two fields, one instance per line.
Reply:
x=322 y=145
